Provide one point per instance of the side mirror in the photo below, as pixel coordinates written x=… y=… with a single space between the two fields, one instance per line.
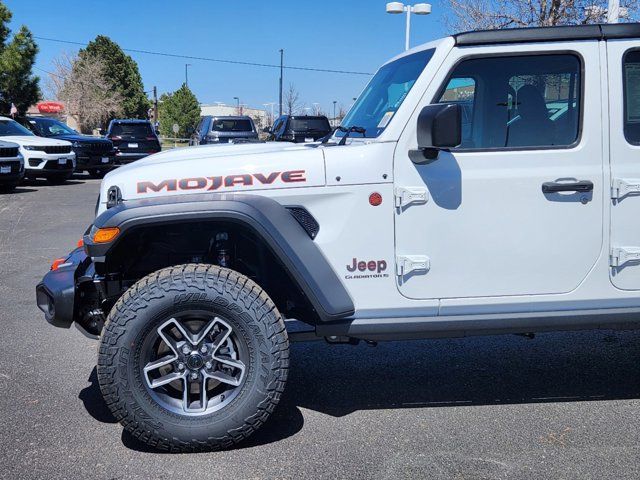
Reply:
x=266 y=130
x=102 y=132
x=439 y=128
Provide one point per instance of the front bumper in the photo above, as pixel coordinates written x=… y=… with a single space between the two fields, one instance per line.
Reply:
x=122 y=158
x=38 y=163
x=93 y=162
x=56 y=294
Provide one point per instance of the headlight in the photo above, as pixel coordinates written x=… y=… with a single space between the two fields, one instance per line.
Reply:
x=29 y=147
x=75 y=144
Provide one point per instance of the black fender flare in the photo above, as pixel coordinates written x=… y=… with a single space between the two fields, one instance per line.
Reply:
x=267 y=218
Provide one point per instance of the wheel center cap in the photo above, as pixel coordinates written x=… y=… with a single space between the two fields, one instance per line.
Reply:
x=195 y=361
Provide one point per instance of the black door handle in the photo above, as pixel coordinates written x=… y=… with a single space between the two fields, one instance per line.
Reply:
x=580 y=186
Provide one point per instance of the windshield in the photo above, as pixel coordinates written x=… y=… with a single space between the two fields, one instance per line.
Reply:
x=386 y=91
x=10 y=128
x=310 y=124
x=51 y=128
x=231 y=125
x=134 y=130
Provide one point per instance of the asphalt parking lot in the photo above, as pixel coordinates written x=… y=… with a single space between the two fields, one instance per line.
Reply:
x=562 y=405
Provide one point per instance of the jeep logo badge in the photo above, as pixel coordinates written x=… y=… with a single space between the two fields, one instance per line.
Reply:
x=367 y=269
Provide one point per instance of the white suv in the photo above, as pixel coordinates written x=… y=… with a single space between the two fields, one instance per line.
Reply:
x=43 y=157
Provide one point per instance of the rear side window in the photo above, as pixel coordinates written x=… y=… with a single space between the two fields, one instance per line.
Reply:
x=309 y=125
x=136 y=130
x=230 y=125
x=528 y=101
x=631 y=79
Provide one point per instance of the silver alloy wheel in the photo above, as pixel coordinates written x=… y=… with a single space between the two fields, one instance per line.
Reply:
x=196 y=366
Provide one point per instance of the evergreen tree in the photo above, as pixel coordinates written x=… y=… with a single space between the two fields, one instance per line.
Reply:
x=180 y=107
x=17 y=83
x=123 y=72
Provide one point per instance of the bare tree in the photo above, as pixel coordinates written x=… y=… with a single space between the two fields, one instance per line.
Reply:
x=467 y=15
x=292 y=100
x=85 y=89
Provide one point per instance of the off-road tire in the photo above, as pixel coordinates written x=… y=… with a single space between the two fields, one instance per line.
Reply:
x=226 y=293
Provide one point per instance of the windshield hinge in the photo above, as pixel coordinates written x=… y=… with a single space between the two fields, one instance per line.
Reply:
x=408 y=195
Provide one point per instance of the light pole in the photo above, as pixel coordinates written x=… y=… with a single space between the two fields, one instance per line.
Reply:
x=399 y=7
x=186 y=74
x=237 y=99
x=281 y=75
x=334 y=113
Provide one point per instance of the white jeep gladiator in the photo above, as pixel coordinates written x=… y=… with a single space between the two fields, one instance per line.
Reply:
x=481 y=184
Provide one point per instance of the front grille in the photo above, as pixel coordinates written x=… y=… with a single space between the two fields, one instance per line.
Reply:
x=15 y=166
x=57 y=149
x=97 y=147
x=306 y=220
x=7 y=152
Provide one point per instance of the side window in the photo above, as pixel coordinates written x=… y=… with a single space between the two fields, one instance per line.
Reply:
x=631 y=80
x=462 y=91
x=521 y=101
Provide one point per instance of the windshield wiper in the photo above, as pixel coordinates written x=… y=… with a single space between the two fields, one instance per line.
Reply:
x=347 y=132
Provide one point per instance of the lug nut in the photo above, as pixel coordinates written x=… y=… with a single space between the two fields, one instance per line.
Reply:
x=181 y=366
x=203 y=349
x=208 y=364
x=186 y=350
x=194 y=375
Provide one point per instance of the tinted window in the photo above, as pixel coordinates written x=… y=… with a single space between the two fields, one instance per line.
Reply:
x=136 y=130
x=631 y=79
x=309 y=125
x=50 y=128
x=230 y=125
x=510 y=102
x=12 y=128
x=386 y=91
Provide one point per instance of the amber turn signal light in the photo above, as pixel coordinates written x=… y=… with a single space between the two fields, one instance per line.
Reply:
x=57 y=262
x=80 y=243
x=105 y=235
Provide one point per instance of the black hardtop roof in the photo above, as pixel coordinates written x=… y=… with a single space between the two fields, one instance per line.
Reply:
x=549 y=34
x=229 y=117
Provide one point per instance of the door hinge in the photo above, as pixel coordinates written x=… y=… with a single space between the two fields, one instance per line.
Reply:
x=624 y=186
x=407 y=195
x=621 y=255
x=411 y=263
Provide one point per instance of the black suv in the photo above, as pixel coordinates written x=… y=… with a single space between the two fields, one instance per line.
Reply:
x=95 y=155
x=133 y=139
x=299 y=128
x=212 y=129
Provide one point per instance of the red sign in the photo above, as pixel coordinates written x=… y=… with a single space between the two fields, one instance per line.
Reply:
x=50 y=107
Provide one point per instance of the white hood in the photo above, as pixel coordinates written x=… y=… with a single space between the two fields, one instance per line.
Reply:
x=219 y=169
x=33 y=140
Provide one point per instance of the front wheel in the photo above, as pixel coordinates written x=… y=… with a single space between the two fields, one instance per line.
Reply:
x=193 y=357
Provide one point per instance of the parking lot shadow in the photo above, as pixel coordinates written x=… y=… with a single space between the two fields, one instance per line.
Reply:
x=18 y=190
x=553 y=367
x=338 y=380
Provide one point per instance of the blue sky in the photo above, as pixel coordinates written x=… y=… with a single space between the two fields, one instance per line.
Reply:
x=354 y=35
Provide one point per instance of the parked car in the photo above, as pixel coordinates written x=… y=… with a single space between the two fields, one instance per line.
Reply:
x=213 y=129
x=47 y=158
x=132 y=139
x=93 y=155
x=417 y=227
x=299 y=128
x=11 y=166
